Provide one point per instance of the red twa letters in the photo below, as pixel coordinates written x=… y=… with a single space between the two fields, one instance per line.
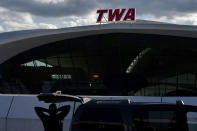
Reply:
x=116 y=14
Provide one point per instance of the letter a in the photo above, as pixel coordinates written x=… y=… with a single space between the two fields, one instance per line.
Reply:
x=116 y=14
x=130 y=15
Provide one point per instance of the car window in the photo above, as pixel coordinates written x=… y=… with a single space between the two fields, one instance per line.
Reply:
x=155 y=120
x=192 y=121
x=100 y=119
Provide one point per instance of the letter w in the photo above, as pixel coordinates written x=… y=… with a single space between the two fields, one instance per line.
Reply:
x=116 y=14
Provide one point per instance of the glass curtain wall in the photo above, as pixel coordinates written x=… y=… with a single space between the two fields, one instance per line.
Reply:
x=110 y=64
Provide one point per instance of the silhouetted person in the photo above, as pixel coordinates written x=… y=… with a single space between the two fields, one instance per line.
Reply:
x=52 y=118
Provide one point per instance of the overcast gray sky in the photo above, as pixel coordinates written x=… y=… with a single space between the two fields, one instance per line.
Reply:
x=34 y=14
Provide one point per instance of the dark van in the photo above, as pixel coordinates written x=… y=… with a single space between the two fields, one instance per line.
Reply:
x=125 y=115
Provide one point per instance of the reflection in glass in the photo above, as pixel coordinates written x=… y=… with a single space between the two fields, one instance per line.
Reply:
x=105 y=65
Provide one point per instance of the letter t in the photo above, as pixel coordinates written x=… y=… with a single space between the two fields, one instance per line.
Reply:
x=101 y=13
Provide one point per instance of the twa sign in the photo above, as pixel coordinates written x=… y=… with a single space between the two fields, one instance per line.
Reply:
x=116 y=15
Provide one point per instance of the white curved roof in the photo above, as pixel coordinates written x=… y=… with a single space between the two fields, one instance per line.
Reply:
x=13 y=43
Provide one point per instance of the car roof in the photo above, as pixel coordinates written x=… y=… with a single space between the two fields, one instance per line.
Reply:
x=124 y=102
x=130 y=103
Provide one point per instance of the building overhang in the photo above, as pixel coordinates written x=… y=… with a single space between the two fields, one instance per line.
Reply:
x=14 y=43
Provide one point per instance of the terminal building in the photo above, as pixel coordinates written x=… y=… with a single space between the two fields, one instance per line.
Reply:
x=144 y=58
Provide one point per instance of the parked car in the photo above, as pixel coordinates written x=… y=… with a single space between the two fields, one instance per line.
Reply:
x=125 y=115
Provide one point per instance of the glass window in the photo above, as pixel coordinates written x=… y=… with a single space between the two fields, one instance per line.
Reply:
x=192 y=121
x=108 y=64
x=155 y=120
x=101 y=119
